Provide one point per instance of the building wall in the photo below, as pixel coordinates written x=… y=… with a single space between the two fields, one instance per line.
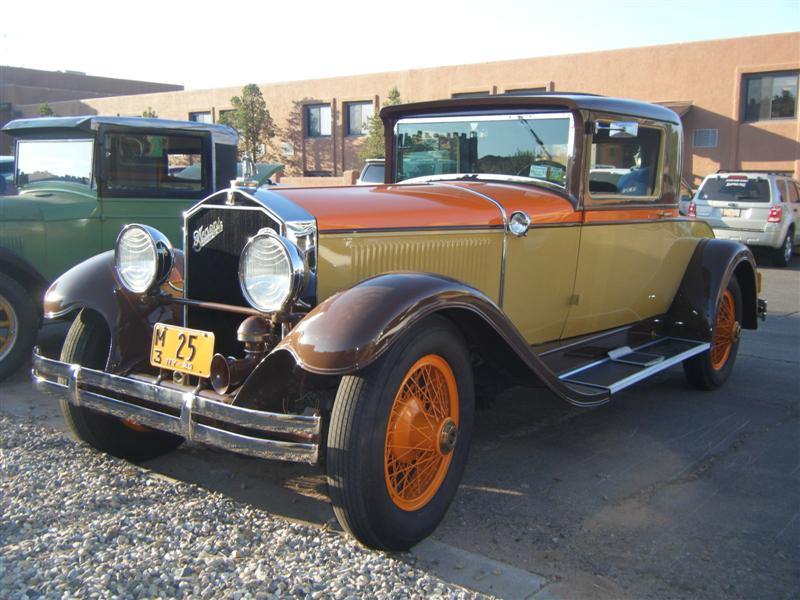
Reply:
x=708 y=75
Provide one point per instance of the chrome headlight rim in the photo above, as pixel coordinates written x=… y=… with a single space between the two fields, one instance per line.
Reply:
x=298 y=273
x=164 y=258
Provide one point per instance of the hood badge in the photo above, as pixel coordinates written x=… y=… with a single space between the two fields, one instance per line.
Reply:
x=203 y=235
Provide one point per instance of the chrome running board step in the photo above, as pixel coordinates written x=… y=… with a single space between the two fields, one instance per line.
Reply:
x=624 y=366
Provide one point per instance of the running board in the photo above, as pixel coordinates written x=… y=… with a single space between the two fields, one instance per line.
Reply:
x=625 y=366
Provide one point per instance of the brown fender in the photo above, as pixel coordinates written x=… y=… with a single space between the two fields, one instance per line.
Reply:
x=93 y=285
x=350 y=330
x=693 y=311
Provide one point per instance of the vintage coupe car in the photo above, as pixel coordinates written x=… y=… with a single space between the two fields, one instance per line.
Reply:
x=350 y=327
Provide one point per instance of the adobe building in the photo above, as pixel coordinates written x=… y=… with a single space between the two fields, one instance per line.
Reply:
x=737 y=99
x=21 y=88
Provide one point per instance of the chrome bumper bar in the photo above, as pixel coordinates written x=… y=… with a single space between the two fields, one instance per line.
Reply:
x=176 y=411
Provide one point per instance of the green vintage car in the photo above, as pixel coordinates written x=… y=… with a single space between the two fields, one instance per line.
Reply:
x=77 y=180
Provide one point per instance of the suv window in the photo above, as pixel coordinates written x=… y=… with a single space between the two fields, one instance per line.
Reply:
x=372 y=174
x=735 y=188
x=54 y=160
x=793 y=195
x=154 y=164
x=625 y=166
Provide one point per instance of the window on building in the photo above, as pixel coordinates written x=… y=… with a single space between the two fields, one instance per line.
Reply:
x=705 y=138
x=470 y=94
x=525 y=91
x=770 y=96
x=201 y=117
x=358 y=117
x=624 y=165
x=225 y=116
x=318 y=120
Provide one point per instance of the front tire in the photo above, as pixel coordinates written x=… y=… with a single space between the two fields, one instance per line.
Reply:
x=399 y=437
x=709 y=370
x=19 y=323
x=87 y=344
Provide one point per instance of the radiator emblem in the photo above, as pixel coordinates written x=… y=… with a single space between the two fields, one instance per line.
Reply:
x=203 y=235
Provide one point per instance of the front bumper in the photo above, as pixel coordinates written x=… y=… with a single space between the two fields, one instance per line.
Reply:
x=771 y=238
x=183 y=412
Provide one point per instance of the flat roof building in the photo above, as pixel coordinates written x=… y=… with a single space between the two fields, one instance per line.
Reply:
x=737 y=99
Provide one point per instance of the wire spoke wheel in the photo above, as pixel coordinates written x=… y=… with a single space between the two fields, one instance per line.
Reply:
x=8 y=327
x=421 y=433
x=726 y=333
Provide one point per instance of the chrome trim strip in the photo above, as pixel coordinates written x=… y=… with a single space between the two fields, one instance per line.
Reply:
x=189 y=405
x=503 y=214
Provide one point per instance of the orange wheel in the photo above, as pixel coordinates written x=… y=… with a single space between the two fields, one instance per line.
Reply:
x=421 y=433
x=399 y=437
x=726 y=332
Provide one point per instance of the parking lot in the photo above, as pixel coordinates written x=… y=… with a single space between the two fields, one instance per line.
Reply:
x=667 y=492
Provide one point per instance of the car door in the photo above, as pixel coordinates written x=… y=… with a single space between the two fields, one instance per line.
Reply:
x=152 y=177
x=634 y=246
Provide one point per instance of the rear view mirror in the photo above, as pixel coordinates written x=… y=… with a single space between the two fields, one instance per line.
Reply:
x=618 y=129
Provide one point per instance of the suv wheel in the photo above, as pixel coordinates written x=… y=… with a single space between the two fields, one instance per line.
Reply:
x=782 y=255
x=18 y=325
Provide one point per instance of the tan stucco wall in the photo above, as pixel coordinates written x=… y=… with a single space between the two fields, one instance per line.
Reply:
x=708 y=74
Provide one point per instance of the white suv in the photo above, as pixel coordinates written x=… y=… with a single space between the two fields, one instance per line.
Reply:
x=755 y=208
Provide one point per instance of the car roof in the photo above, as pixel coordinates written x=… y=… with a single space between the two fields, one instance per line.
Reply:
x=550 y=100
x=221 y=134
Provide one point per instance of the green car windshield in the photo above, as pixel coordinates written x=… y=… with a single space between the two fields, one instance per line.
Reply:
x=523 y=147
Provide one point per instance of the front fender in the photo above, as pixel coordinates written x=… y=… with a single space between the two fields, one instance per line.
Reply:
x=353 y=328
x=130 y=317
x=693 y=311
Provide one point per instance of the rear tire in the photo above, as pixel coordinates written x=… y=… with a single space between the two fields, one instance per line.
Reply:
x=399 y=437
x=781 y=256
x=87 y=344
x=709 y=370
x=19 y=323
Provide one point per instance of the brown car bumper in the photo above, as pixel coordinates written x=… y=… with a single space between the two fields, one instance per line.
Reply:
x=184 y=413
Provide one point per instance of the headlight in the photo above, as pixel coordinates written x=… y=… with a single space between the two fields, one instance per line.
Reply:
x=271 y=272
x=143 y=258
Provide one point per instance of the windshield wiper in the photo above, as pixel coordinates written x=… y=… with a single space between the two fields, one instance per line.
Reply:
x=537 y=138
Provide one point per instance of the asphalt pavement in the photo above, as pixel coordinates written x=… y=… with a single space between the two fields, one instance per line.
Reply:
x=667 y=492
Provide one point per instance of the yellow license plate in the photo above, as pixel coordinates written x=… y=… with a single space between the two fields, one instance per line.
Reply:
x=730 y=212
x=180 y=349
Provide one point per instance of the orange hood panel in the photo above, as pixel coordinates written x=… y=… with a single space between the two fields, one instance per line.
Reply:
x=408 y=206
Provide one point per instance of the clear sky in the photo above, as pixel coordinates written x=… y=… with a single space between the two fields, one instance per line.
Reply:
x=201 y=44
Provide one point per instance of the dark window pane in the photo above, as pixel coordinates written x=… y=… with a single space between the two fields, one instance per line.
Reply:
x=770 y=96
x=626 y=166
x=200 y=117
x=318 y=120
x=154 y=164
x=358 y=117
x=470 y=95
x=735 y=187
x=524 y=92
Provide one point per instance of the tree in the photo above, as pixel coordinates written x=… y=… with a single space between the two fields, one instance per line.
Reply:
x=252 y=120
x=374 y=145
x=149 y=113
x=45 y=110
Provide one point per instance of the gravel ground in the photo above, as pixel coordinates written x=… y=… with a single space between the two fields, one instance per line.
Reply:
x=75 y=523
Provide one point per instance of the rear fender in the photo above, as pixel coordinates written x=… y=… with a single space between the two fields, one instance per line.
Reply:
x=93 y=285
x=693 y=311
x=352 y=329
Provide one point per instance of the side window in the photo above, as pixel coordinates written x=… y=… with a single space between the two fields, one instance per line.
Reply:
x=154 y=165
x=54 y=160
x=782 y=189
x=624 y=163
x=793 y=193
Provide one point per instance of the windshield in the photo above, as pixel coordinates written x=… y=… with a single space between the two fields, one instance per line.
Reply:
x=739 y=188
x=532 y=146
x=54 y=160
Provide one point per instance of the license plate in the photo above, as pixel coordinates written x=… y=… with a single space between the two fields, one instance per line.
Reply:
x=181 y=349
x=731 y=212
